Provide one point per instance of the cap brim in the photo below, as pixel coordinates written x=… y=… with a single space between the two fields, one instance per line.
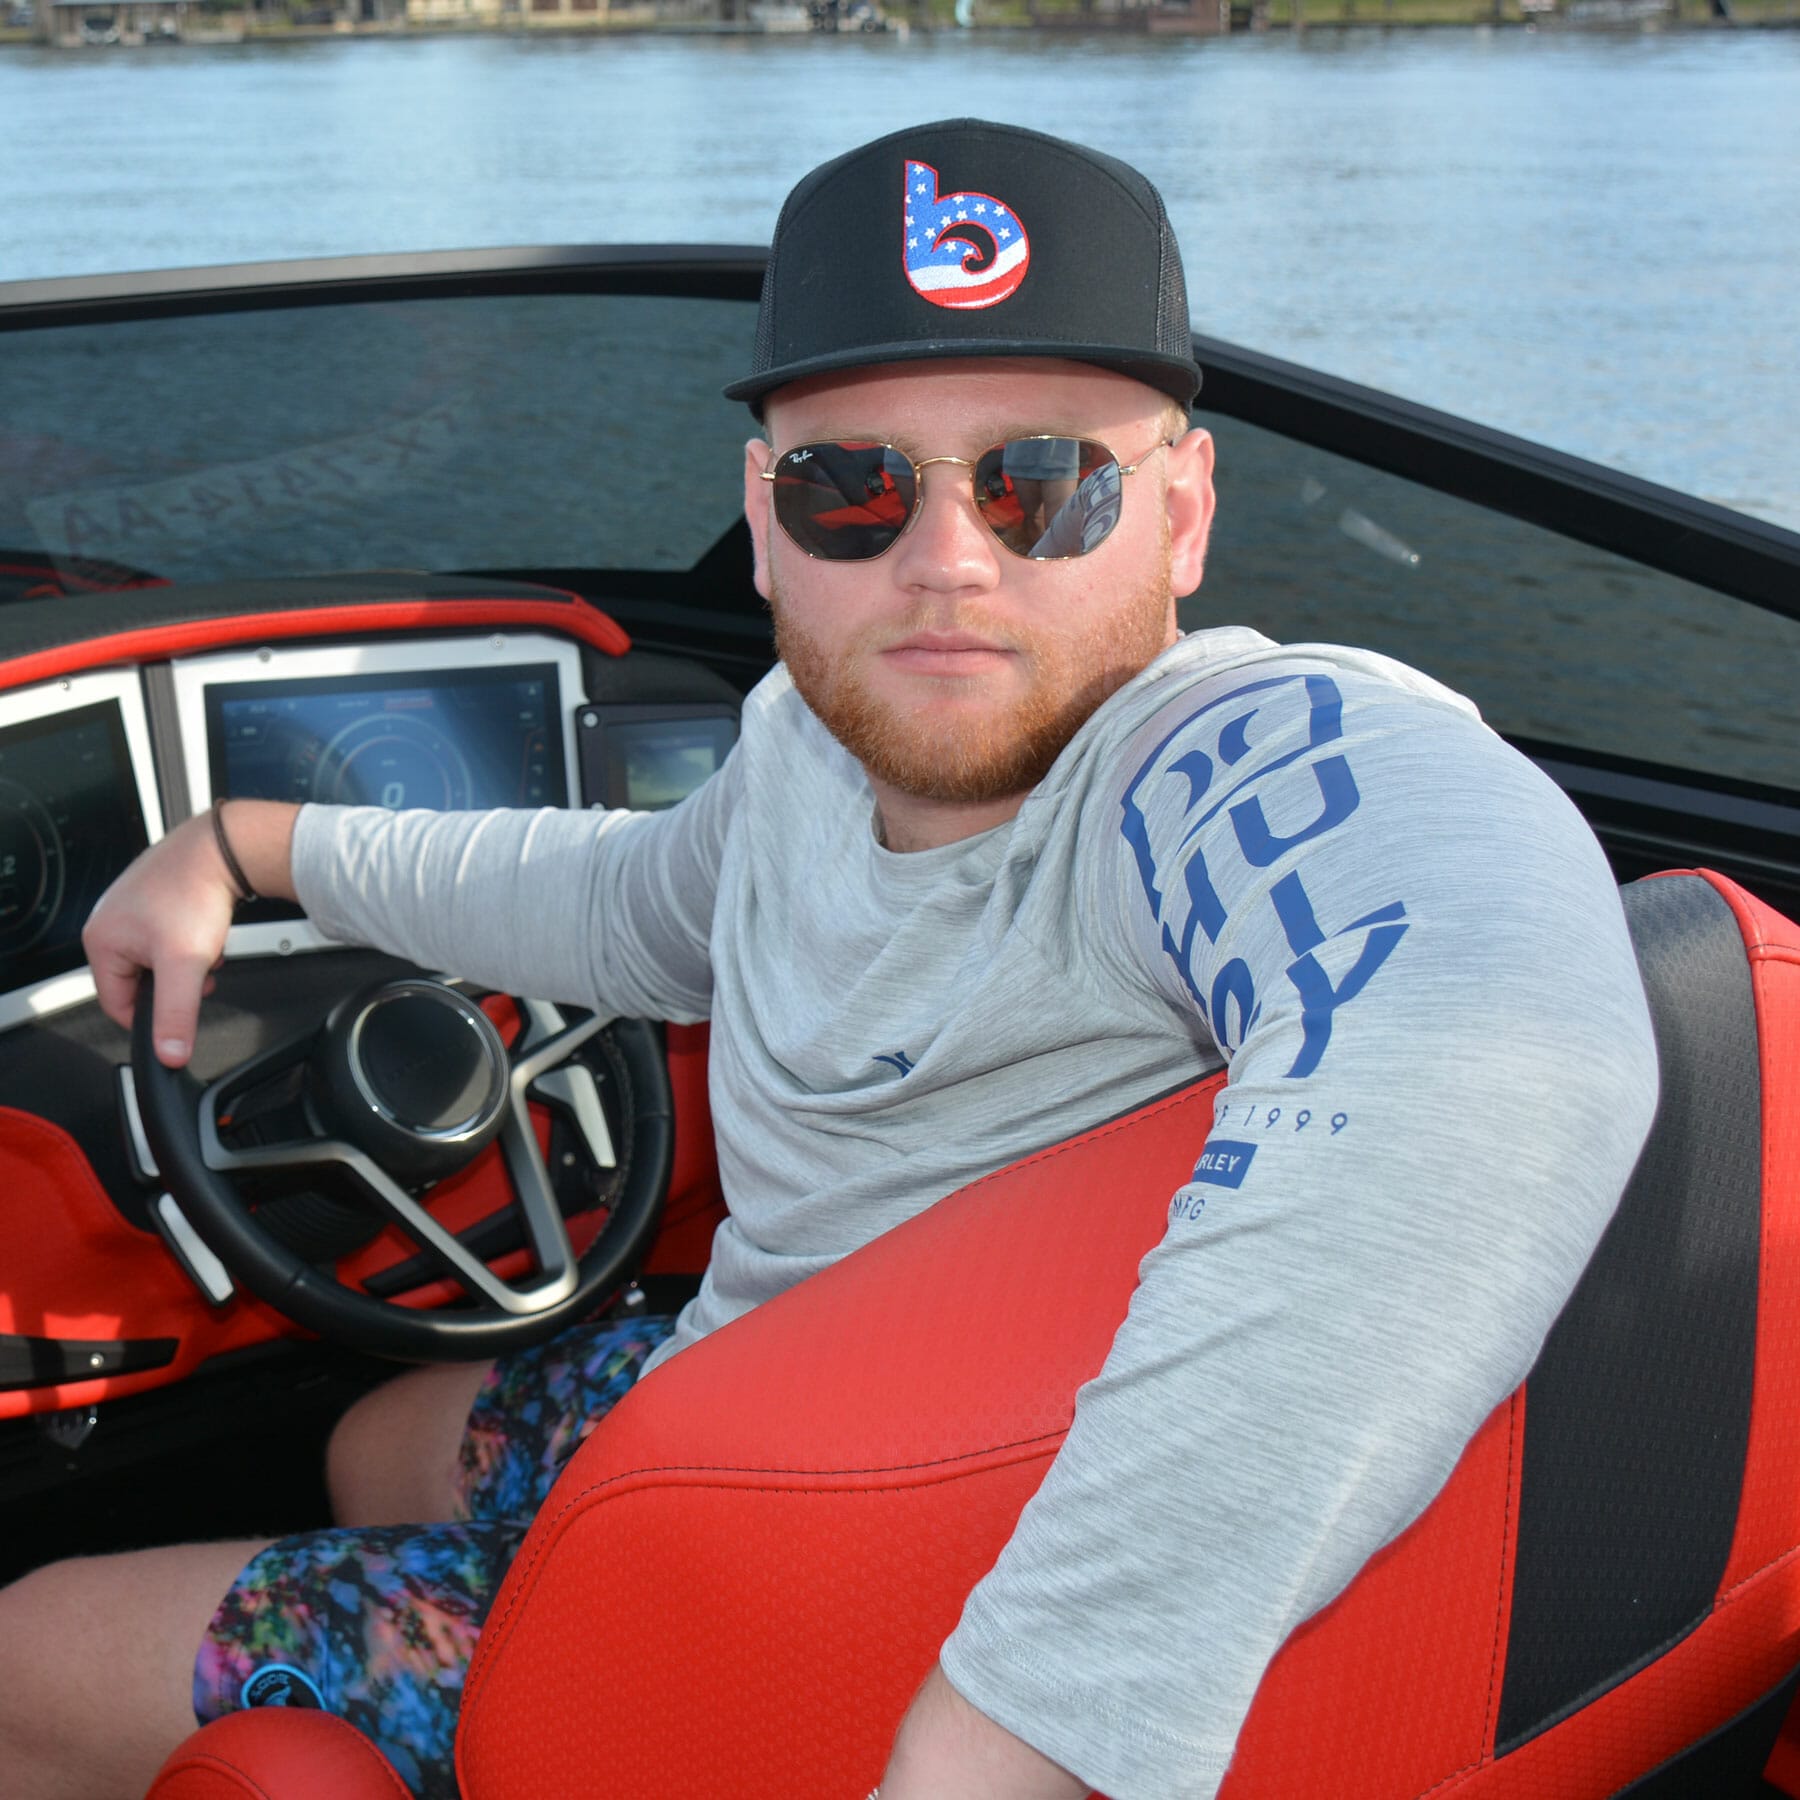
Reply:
x=1176 y=376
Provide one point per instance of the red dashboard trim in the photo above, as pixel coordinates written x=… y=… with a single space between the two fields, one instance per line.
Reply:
x=80 y=1271
x=572 y=617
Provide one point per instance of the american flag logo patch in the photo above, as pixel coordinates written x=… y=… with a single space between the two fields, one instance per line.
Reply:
x=960 y=250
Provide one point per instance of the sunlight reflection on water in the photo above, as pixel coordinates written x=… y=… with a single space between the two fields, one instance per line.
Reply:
x=1587 y=239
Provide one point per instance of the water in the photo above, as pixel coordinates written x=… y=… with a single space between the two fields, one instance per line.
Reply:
x=1588 y=239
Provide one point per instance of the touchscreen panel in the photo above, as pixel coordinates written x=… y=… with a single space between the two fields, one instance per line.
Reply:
x=446 y=739
x=69 y=822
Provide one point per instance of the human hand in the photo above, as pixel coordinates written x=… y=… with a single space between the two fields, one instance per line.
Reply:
x=168 y=914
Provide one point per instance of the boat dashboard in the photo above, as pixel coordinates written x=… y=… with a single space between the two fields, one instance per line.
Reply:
x=93 y=765
x=124 y=714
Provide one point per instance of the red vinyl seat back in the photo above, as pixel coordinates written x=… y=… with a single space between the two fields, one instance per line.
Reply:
x=745 y=1573
x=747 y=1570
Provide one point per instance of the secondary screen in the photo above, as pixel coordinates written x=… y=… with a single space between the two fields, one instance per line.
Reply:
x=69 y=822
x=657 y=763
x=449 y=740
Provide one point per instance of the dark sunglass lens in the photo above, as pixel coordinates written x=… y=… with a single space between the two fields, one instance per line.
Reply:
x=1049 y=496
x=843 y=502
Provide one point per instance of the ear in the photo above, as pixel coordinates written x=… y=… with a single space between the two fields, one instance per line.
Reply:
x=1188 y=493
x=757 y=455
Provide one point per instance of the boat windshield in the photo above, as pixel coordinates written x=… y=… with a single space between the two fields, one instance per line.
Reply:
x=576 y=431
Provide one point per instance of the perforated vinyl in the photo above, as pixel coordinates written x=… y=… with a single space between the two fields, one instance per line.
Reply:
x=1734 y=1658
x=742 y=1576
x=1728 y=1761
x=797 y=1525
x=1769 y=1511
x=1640 y=1402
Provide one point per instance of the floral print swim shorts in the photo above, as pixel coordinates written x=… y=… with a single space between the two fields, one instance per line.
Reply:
x=378 y=1624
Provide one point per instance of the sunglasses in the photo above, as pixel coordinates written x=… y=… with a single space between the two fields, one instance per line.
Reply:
x=1047 y=498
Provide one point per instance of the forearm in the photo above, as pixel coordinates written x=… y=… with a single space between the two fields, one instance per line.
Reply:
x=598 y=909
x=505 y=898
x=260 y=834
x=947 y=1750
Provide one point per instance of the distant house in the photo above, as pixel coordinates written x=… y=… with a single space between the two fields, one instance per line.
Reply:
x=556 y=13
x=78 y=22
x=450 y=13
x=461 y=12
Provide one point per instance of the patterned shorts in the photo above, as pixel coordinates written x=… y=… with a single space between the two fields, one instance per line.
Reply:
x=377 y=1625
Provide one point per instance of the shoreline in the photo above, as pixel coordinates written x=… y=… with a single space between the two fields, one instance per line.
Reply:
x=1277 y=16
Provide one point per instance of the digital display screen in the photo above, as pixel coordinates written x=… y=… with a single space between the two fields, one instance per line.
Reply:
x=450 y=740
x=69 y=822
x=656 y=763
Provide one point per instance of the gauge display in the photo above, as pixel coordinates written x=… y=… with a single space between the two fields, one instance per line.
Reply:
x=446 y=739
x=69 y=822
x=652 y=757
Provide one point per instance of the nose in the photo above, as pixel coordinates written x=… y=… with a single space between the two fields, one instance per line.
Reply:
x=947 y=548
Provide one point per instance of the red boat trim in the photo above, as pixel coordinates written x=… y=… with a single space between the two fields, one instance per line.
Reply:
x=571 y=617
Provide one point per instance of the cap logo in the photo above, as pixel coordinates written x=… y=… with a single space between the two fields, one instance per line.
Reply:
x=960 y=250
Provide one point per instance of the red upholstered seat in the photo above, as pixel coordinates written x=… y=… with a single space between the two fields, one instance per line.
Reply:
x=275 y=1753
x=745 y=1573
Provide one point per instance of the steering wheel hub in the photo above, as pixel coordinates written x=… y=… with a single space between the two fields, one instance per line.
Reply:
x=418 y=1070
x=413 y=1072
x=405 y=1083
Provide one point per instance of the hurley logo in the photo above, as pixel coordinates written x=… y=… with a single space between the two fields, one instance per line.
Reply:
x=280 y=1684
x=959 y=250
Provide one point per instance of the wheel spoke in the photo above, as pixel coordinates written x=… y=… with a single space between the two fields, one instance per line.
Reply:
x=542 y=1062
x=557 y=1272
x=478 y=1280
x=574 y=1088
x=549 y=1039
x=268 y=1129
x=533 y=1195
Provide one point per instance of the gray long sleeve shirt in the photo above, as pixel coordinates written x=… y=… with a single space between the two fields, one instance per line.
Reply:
x=1309 y=863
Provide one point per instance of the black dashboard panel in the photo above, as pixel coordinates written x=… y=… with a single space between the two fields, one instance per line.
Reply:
x=447 y=739
x=69 y=822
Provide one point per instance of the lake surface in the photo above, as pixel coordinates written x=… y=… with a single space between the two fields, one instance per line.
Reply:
x=1590 y=239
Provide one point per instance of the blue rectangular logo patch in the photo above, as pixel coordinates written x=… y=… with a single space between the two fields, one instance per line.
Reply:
x=1223 y=1163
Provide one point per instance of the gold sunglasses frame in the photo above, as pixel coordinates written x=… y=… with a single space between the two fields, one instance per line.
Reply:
x=921 y=464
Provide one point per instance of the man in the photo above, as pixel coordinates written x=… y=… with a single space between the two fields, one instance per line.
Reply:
x=998 y=855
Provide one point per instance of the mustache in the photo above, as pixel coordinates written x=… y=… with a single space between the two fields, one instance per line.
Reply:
x=945 y=623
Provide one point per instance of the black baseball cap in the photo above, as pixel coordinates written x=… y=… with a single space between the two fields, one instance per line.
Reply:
x=965 y=238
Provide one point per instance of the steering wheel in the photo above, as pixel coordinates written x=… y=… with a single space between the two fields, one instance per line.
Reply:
x=403 y=1083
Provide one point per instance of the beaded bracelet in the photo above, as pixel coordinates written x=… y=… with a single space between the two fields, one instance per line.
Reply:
x=233 y=867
